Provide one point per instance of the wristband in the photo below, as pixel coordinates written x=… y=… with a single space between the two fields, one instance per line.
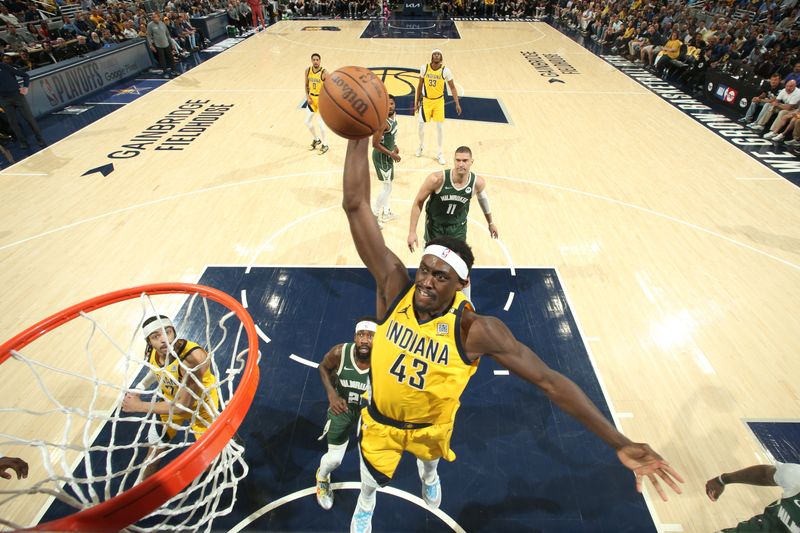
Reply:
x=719 y=478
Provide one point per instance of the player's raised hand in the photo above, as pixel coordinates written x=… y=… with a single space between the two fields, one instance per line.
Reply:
x=645 y=462
x=16 y=464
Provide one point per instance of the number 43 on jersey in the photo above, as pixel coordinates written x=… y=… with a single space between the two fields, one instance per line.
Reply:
x=410 y=371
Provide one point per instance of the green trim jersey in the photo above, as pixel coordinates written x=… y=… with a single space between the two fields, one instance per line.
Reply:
x=450 y=205
x=384 y=164
x=783 y=515
x=351 y=381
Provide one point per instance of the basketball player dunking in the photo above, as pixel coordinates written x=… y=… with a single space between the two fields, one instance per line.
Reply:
x=429 y=100
x=315 y=76
x=427 y=346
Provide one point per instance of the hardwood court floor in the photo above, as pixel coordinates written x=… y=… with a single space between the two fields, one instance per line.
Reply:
x=682 y=269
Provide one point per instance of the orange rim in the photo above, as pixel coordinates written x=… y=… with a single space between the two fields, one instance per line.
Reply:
x=137 y=502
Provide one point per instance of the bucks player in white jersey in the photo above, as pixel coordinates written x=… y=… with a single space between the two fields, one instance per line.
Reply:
x=781 y=516
x=384 y=155
x=345 y=375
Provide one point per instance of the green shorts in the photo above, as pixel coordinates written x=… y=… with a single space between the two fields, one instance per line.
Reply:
x=339 y=427
x=459 y=231
x=384 y=166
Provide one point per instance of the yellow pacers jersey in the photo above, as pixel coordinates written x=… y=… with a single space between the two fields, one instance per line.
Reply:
x=170 y=384
x=418 y=371
x=315 y=81
x=433 y=82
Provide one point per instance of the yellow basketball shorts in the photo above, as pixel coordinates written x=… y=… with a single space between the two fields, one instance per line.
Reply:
x=382 y=445
x=313 y=103
x=431 y=110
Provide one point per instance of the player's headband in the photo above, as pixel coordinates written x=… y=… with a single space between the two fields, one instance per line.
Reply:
x=366 y=325
x=156 y=325
x=450 y=257
x=436 y=50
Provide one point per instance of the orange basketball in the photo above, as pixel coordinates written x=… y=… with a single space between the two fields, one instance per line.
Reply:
x=353 y=102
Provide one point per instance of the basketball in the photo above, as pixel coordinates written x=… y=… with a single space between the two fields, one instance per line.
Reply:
x=353 y=102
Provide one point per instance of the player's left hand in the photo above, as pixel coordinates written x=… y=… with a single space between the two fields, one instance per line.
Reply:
x=644 y=462
x=492 y=230
x=16 y=464
x=131 y=403
x=458 y=108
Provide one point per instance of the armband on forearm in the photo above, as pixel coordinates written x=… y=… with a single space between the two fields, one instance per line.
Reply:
x=483 y=200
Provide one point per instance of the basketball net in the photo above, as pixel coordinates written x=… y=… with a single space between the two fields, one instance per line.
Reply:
x=94 y=451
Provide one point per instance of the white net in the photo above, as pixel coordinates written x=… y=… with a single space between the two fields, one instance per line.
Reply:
x=94 y=416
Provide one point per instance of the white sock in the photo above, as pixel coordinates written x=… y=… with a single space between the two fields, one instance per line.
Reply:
x=440 y=135
x=309 y=124
x=421 y=134
x=331 y=460
x=427 y=470
x=382 y=205
x=366 y=498
x=321 y=129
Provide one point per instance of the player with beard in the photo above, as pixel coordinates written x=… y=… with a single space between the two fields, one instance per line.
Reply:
x=426 y=348
x=345 y=375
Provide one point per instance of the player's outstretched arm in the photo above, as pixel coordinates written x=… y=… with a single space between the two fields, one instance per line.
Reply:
x=389 y=272
x=428 y=187
x=763 y=475
x=16 y=464
x=491 y=336
x=327 y=370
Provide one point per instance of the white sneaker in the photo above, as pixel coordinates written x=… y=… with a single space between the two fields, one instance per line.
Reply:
x=756 y=127
x=770 y=135
x=418 y=153
x=778 y=138
x=432 y=494
x=441 y=160
x=793 y=142
x=324 y=493
x=388 y=215
x=361 y=521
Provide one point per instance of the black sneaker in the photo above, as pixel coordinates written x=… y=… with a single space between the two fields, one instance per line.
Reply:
x=315 y=144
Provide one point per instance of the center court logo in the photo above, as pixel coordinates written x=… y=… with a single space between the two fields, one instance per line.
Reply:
x=401 y=82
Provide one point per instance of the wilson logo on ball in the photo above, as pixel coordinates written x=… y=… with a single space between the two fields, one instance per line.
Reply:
x=349 y=95
x=353 y=103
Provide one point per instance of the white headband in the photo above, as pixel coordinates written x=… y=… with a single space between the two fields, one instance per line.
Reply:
x=366 y=325
x=156 y=325
x=436 y=50
x=450 y=257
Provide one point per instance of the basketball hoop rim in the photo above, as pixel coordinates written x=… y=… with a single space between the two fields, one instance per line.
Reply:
x=139 y=501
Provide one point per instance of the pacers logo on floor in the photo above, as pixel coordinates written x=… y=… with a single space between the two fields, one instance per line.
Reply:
x=401 y=82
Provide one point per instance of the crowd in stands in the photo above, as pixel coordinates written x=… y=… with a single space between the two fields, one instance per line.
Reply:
x=32 y=37
x=754 y=40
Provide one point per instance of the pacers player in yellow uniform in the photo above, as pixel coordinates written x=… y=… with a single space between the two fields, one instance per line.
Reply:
x=315 y=76
x=429 y=100
x=186 y=383
x=426 y=348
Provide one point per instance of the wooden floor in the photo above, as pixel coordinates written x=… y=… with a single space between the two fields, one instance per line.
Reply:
x=685 y=278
